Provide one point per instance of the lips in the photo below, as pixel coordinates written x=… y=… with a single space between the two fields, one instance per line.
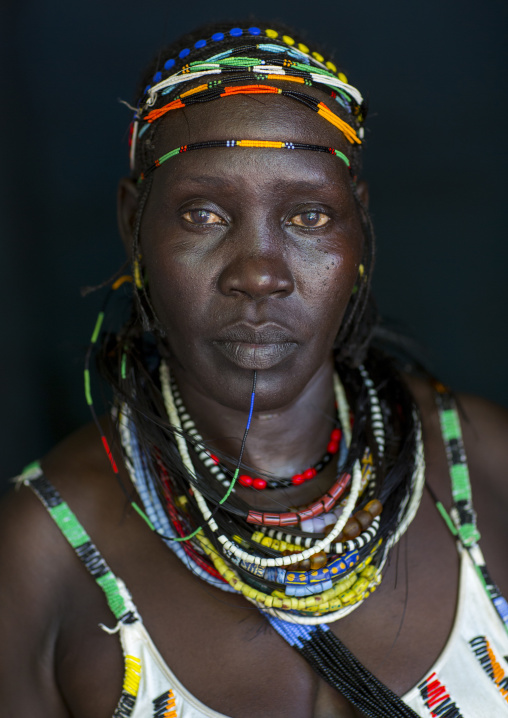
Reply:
x=255 y=347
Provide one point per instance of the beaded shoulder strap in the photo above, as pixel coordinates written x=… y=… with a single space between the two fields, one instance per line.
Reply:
x=117 y=596
x=463 y=517
x=463 y=514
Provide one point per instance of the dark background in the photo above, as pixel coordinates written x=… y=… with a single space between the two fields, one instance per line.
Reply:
x=435 y=75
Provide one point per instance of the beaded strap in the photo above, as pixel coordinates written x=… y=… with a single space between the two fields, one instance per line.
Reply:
x=116 y=594
x=335 y=664
x=463 y=514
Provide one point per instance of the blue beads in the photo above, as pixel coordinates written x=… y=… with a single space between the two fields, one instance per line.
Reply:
x=199 y=44
x=184 y=53
x=218 y=36
x=236 y=32
x=169 y=64
x=157 y=77
x=146 y=89
x=254 y=31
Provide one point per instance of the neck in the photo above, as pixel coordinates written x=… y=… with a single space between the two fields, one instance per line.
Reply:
x=283 y=442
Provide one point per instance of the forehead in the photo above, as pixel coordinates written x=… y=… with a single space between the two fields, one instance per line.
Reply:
x=255 y=117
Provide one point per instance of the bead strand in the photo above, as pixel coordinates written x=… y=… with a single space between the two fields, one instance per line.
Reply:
x=378 y=428
x=250 y=144
x=214 y=467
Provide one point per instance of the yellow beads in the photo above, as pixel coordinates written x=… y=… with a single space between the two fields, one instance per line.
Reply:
x=259 y=537
x=181 y=502
x=349 y=590
x=132 y=675
x=272 y=34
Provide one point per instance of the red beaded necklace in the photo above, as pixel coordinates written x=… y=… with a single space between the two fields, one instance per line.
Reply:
x=297 y=479
x=224 y=475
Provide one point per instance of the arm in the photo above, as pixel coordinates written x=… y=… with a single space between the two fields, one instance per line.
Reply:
x=32 y=597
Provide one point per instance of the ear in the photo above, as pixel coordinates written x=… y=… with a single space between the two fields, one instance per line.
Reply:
x=362 y=189
x=127 y=203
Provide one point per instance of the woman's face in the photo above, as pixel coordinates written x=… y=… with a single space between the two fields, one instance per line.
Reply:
x=251 y=255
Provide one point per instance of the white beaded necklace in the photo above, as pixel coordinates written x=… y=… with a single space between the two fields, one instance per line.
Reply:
x=229 y=545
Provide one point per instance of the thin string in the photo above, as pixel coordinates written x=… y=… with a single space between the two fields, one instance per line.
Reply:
x=181 y=443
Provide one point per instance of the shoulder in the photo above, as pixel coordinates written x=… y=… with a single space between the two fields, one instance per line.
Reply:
x=44 y=586
x=35 y=559
x=484 y=427
x=30 y=542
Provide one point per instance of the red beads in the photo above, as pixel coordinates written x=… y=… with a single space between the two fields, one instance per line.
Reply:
x=246 y=480
x=259 y=484
x=336 y=435
x=334 y=443
x=297 y=479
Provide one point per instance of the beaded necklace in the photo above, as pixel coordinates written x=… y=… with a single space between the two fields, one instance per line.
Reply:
x=333 y=586
x=224 y=475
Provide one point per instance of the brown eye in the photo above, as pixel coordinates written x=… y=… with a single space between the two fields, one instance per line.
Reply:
x=202 y=216
x=310 y=219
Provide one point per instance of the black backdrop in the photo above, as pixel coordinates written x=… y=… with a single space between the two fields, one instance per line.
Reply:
x=435 y=76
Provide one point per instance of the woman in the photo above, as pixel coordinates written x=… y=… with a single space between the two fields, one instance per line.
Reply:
x=279 y=455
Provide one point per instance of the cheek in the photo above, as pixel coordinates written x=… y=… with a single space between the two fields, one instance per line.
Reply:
x=332 y=279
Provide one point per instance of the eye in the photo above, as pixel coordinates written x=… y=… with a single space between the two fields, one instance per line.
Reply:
x=310 y=219
x=202 y=217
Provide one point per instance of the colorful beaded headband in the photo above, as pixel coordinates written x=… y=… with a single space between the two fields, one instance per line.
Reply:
x=257 y=144
x=297 y=65
x=204 y=94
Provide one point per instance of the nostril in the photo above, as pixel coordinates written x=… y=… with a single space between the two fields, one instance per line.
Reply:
x=257 y=277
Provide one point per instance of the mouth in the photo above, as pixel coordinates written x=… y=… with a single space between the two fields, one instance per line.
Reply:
x=257 y=348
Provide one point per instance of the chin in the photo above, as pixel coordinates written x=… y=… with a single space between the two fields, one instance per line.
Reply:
x=276 y=387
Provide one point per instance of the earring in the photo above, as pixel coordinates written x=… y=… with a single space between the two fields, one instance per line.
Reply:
x=136 y=267
x=361 y=272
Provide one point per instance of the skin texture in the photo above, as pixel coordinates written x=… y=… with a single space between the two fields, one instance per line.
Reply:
x=256 y=268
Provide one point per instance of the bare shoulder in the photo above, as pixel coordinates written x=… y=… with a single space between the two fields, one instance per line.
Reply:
x=485 y=433
x=32 y=553
x=38 y=575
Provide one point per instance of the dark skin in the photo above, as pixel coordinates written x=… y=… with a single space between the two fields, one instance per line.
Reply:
x=250 y=263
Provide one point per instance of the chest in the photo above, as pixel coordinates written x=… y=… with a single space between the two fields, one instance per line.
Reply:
x=226 y=655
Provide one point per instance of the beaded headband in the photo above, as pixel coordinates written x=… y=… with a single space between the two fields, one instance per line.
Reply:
x=286 y=61
x=257 y=144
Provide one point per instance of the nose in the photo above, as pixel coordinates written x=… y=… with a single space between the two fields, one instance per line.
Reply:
x=256 y=268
